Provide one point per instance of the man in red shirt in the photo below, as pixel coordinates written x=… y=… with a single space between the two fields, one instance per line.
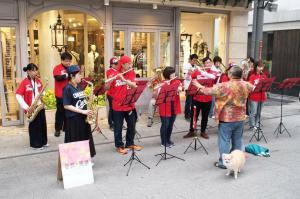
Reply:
x=61 y=79
x=202 y=102
x=110 y=73
x=121 y=84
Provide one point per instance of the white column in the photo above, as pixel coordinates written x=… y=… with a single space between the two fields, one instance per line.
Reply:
x=238 y=36
x=48 y=56
x=108 y=37
x=22 y=36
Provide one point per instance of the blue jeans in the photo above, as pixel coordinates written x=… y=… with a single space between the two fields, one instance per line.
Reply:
x=212 y=107
x=255 y=113
x=230 y=132
x=166 y=129
x=187 y=106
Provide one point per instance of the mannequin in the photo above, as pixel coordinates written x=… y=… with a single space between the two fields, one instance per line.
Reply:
x=198 y=42
x=92 y=56
x=186 y=50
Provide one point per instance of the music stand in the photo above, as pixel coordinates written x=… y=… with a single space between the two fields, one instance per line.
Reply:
x=193 y=90
x=263 y=85
x=167 y=94
x=130 y=98
x=285 y=84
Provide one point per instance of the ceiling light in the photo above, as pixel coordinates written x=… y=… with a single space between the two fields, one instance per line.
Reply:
x=106 y=2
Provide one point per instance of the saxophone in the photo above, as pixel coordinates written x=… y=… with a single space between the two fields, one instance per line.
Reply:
x=35 y=106
x=91 y=105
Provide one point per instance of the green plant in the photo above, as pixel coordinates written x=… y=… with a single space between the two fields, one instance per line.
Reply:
x=49 y=99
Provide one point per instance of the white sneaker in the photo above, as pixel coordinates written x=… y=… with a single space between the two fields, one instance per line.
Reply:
x=46 y=145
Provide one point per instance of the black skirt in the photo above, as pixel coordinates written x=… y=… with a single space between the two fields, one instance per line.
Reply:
x=77 y=129
x=38 y=130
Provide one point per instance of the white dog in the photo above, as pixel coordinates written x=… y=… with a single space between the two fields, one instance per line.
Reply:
x=234 y=161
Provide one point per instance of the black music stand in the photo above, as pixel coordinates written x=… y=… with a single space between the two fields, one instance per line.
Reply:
x=166 y=94
x=285 y=84
x=193 y=90
x=130 y=98
x=262 y=86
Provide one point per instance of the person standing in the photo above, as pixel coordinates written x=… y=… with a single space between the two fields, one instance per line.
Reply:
x=110 y=73
x=75 y=104
x=230 y=113
x=202 y=102
x=256 y=100
x=169 y=110
x=26 y=94
x=124 y=81
x=188 y=68
x=60 y=81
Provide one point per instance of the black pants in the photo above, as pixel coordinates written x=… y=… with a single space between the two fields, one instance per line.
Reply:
x=38 y=130
x=187 y=106
x=130 y=118
x=204 y=107
x=59 y=115
x=166 y=129
x=110 y=111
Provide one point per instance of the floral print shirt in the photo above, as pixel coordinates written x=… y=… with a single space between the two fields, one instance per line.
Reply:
x=231 y=98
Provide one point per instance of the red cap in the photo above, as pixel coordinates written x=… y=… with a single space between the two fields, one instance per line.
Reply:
x=113 y=60
x=123 y=60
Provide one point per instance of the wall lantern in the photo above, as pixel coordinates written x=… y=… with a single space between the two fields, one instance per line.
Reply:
x=59 y=34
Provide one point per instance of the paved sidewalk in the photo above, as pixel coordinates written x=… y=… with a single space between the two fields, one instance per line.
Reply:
x=25 y=173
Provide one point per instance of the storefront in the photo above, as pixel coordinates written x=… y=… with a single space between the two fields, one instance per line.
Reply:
x=154 y=38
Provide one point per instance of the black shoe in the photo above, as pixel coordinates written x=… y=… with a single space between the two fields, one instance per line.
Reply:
x=57 y=133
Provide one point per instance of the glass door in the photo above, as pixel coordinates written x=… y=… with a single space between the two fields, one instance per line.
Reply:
x=10 y=111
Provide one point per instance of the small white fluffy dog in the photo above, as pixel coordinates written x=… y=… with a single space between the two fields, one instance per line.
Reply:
x=234 y=161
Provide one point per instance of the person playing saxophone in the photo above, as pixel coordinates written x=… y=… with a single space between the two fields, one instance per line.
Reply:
x=75 y=104
x=27 y=93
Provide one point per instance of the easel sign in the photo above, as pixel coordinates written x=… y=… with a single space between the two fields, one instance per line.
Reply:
x=74 y=164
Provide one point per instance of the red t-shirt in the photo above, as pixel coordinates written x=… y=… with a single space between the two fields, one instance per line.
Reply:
x=119 y=92
x=111 y=72
x=25 y=89
x=260 y=96
x=197 y=75
x=224 y=78
x=59 y=85
x=165 y=109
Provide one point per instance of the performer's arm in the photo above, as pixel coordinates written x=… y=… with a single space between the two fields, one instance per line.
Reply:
x=205 y=90
x=77 y=110
x=60 y=77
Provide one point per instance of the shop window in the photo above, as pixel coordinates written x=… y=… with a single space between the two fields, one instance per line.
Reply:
x=9 y=107
x=118 y=43
x=143 y=53
x=165 y=49
x=203 y=34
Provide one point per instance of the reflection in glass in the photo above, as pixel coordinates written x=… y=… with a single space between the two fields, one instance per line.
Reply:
x=165 y=49
x=8 y=67
x=142 y=53
x=118 y=46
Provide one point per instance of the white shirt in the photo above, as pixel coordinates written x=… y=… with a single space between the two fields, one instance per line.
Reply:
x=187 y=77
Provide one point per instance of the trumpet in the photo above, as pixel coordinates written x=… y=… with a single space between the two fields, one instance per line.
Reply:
x=164 y=83
x=114 y=77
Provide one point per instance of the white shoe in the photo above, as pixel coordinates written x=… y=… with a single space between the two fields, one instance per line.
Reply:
x=46 y=145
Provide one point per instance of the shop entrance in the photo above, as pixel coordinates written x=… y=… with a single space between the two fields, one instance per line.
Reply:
x=10 y=114
x=84 y=41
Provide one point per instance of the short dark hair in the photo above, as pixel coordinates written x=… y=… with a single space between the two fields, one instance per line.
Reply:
x=251 y=59
x=193 y=56
x=205 y=59
x=255 y=65
x=168 y=71
x=65 y=55
x=30 y=67
x=236 y=72
x=217 y=59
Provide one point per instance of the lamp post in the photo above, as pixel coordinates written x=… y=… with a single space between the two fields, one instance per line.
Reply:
x=59 y=33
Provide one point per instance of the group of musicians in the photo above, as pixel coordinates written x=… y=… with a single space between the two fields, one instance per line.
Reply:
x=72 y=103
